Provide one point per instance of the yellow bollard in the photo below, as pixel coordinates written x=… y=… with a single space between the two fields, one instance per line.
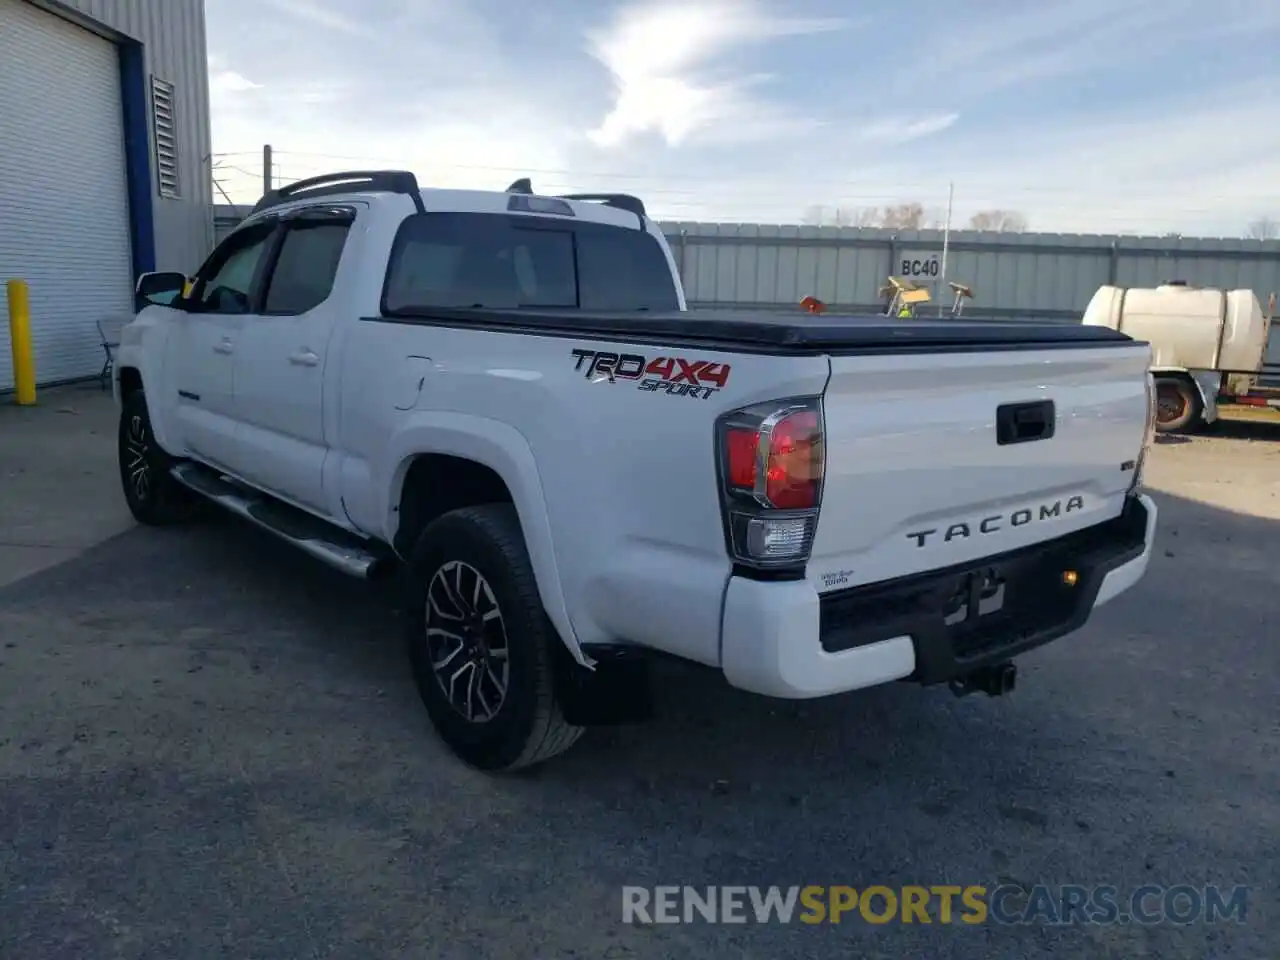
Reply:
x=24 y=361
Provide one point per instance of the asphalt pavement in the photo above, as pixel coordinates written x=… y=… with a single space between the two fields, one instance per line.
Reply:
x=210 y=747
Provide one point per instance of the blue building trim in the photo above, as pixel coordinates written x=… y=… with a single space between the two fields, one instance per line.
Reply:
x=137 y=157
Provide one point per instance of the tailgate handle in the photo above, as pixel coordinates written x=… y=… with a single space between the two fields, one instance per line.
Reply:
x=1024 y=422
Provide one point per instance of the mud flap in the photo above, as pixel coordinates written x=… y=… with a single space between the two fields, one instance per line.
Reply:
x=616 y=692
x=1207 y=382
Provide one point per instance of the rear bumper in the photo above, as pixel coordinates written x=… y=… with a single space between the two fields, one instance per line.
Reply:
x=783 y=640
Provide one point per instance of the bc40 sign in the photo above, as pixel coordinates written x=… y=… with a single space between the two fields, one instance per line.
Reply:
x=920 y=266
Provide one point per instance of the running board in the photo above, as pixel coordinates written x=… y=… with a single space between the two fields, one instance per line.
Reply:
x=336 y=548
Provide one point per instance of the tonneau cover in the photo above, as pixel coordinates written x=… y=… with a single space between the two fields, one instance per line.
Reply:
x=783 y=332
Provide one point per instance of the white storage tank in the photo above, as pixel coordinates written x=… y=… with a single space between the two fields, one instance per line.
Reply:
x=1191 y=328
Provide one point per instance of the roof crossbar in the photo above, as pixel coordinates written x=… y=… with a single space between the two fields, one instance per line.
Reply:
x=621 y=201
x=381 y=181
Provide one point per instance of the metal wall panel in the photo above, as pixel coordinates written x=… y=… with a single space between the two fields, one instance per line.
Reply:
x=1033 y=275
x=172 y=33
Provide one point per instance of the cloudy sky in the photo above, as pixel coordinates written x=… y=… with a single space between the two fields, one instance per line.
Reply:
x=1149 y=116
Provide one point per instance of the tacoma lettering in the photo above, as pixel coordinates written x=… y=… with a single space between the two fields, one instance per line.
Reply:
x=997 y=522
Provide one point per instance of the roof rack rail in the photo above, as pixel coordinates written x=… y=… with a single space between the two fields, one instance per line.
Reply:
x=622 y=201
x=382 y=181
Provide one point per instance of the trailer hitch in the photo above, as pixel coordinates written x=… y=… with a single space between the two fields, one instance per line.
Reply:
x=995 y=681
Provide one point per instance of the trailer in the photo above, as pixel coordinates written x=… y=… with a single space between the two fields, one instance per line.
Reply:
x=1210 y=347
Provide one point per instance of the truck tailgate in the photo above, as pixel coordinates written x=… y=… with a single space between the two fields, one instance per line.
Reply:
x=924 y=471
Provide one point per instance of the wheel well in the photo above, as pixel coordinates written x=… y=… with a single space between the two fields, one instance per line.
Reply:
x=1172 y=375
x=1178 y=376
x=1191 y=416
x=130 y=381
x=437 y=483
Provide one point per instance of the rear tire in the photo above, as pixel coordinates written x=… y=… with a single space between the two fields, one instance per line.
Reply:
x=154 y=497
x=480 y=643
x=1179 y=407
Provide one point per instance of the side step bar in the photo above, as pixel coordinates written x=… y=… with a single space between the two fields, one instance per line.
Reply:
x=336 y=548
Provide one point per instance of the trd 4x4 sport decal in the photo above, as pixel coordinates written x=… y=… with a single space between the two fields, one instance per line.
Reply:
x=676 y=376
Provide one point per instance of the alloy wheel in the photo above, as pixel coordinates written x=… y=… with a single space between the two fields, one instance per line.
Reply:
x=466 y=641
x=137 y=458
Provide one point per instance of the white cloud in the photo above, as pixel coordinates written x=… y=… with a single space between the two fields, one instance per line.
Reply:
x=1082 y=114
x=661 y=55
x=320 y=15
x=225 y=82
x=901 y=130
x=229 y=82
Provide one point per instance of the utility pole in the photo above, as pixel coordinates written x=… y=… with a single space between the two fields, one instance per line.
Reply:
x=946 y=242
x=267 y=171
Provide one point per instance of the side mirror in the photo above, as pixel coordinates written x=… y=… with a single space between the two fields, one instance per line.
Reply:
x=158 y=289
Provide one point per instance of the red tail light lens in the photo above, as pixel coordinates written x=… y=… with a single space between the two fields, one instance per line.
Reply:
x=793 y=459
x=794 y=468
x=741 y=445
x=771 y=465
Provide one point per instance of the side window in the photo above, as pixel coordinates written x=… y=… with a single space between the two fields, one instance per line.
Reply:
x=225 y=282
x=307 y=266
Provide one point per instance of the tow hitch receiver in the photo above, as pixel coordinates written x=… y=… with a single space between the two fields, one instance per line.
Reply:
x=995 y=681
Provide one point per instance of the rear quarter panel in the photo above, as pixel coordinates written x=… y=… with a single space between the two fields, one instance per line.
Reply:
x=627 y=473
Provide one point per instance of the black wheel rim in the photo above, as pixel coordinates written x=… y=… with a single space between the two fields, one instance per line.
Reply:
x=137 y=460
x=466 y=641
x=1170 y=404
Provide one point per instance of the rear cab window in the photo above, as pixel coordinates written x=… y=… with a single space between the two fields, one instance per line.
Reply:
x=499 y=261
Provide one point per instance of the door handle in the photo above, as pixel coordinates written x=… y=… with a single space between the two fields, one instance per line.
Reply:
x=225 y=346
x=304 y=359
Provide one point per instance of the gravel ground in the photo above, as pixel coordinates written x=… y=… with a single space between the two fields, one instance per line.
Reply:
x=210 y=747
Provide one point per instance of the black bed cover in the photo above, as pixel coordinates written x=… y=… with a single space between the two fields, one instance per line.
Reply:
x=776 y=332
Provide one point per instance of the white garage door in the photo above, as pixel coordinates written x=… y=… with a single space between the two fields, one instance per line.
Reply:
x=64 y=224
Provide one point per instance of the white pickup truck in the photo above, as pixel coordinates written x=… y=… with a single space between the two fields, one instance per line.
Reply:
x=501 y=397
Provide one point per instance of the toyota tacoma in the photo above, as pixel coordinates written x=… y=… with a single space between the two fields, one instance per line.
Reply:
x=501 y=399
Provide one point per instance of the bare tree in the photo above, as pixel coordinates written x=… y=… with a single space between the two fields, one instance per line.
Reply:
x=1264 y=228
x=903 y=216
x=814 y=216
x=998 y=221
x=864 y=217
x=820 y=216
x=843 y=217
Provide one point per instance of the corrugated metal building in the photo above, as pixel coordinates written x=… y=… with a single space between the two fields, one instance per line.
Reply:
x=104 y=163
x=1040 y=276
x=1031 y=275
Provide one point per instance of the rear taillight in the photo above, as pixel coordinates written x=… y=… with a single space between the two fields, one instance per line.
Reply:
x=771 y=466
